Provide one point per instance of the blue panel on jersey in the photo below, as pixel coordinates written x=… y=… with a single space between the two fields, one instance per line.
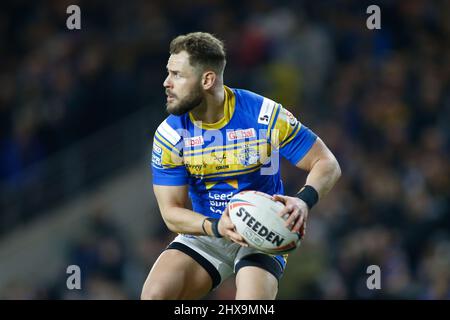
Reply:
x=170 y=177
x=296 y=149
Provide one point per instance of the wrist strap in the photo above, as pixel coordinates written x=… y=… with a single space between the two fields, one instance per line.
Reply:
x=309 y=195
x=215 y=227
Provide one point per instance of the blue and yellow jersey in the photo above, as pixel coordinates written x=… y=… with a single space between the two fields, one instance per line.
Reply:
x=239 y=152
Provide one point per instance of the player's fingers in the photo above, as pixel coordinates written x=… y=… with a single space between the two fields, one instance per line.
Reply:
x=286 y=210
x=241 y=243
x=236 y=237
x=293 y=216
x=279 y=197
x=227 y=219
x=227 y=223
x=302 y=230
x=299 y=223
x=231 y=233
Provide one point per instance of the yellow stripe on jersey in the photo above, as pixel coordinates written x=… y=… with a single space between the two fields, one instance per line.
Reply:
x=232 y=183
x=210 y=184
x=287 y=127
x=272 y=119
x=160 y=137
x=228 y=161
x=223 y=147
x=231 y=174
x=291 y=136
x=215 y=164
x=169 y=158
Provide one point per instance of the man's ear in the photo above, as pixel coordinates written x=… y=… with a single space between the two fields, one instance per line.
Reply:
x=208 y=80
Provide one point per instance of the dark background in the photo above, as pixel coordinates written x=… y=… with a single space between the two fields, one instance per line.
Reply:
x=79 y=107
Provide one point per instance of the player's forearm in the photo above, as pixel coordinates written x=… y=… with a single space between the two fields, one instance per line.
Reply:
x=324 y=175
x=181 y=220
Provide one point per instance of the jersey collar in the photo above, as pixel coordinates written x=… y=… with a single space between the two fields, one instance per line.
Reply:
x=228 y=108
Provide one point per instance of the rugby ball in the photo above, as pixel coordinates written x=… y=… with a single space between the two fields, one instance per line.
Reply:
x=256 y=218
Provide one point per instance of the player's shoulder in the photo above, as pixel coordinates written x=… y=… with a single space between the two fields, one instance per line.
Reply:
x=247 y=97
x=254 y=103
x=170 y=129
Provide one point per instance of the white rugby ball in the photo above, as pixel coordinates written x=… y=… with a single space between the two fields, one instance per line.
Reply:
x=256 y=218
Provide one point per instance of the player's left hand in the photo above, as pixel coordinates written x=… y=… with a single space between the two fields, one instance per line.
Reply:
x=228 y=230
x=297 y=211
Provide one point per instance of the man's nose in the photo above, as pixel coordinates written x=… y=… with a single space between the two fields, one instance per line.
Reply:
x=167 y=83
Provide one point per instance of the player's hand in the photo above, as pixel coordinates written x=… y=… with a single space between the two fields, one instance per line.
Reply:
x=228 y=230
x=297 y=212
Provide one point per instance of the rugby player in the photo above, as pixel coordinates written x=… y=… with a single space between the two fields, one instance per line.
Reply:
x=216 y=142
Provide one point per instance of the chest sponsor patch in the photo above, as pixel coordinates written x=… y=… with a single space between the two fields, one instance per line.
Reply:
x=194 y=141
x=241 y=134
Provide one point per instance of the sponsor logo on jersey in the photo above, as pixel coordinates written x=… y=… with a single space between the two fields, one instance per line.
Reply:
x=241 y=134
x=196 y=167
x=266 y=111
x=223 y=167
x=291 y=119
x=248 y=156
x=156 y=160
x=219 y=157
x=194 y=141
x=157 y=149
x=218 y=201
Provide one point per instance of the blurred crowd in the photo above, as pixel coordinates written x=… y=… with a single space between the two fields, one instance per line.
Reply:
x=380 y=99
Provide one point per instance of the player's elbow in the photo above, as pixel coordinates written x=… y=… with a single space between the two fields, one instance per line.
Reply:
x=334 y=168
x=337 y=169
x=172 y=226
x=331 y=168
x=173 y=222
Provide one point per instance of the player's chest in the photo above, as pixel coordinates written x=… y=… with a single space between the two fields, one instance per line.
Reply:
x=232 y=158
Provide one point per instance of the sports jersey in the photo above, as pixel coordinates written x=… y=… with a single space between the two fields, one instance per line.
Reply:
x=239 y=152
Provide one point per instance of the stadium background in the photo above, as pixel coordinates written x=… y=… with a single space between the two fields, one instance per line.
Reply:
x=78 y=110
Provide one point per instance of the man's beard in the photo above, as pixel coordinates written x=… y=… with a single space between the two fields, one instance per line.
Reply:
x=187 y=104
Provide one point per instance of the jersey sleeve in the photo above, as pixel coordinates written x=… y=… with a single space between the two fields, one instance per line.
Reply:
x=167 y=165
x=292 y=138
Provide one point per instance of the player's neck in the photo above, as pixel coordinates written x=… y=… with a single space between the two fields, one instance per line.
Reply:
x=212 y=109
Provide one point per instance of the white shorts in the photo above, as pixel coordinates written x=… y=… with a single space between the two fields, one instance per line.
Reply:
x=221 y=258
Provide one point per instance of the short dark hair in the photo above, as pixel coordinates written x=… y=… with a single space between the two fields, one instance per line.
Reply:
x=204 y=50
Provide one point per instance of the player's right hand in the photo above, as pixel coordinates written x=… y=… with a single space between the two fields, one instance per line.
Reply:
x=228 y=230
